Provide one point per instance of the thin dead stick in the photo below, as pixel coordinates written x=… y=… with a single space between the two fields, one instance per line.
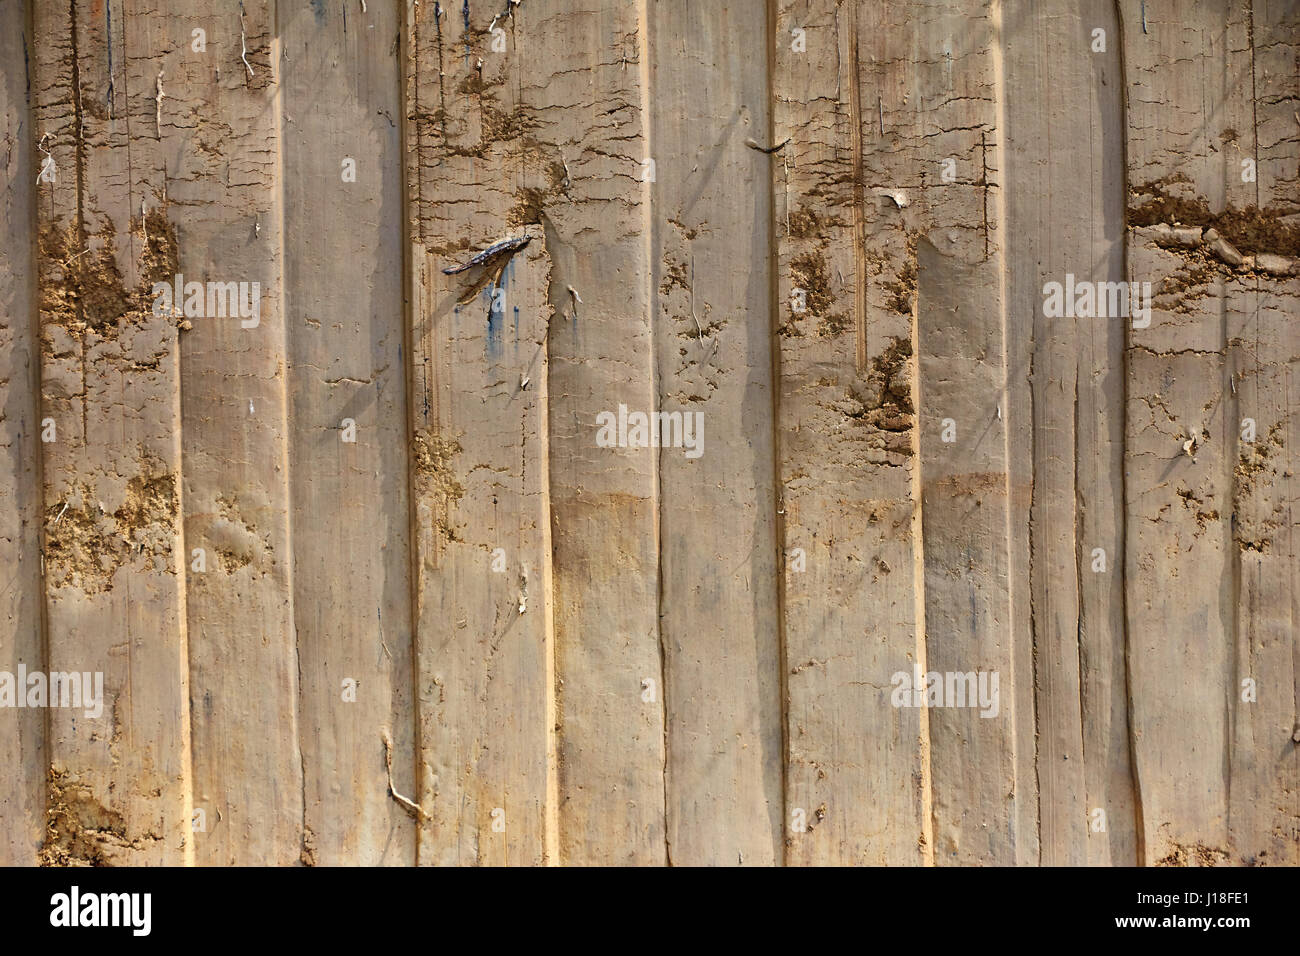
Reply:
x=243 y=55
x=568 y=180
x=510 y=12
x=786 y=162
x=699 y=331
x=411 y=806
x=491 y=252
x=158 y=106
x=48 y=166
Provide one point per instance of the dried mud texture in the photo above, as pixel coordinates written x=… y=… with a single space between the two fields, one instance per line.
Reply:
x=82 y=290
x=81 y=831
x=433 y=469
x=1275 y=229
x=1197 y=855
x=809 y=273
x=86 y=544
x=389 y=513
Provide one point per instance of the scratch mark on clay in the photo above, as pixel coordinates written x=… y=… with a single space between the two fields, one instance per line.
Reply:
x=108 y=27
x=859 y=198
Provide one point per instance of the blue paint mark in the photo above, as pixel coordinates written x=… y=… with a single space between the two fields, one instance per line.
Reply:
x=465 y=12
x=494 y=326
x=318 y=8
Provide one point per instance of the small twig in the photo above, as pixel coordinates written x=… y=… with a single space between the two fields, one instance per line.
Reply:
x=785 y=160
x=243 y=55
x=410 y=805
x=158 y=106
x=48 y=165
x=766 y=149
x=61 y=513
x=567 y=178
x=509 y=12
x=491 y=252
x=699 y=331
